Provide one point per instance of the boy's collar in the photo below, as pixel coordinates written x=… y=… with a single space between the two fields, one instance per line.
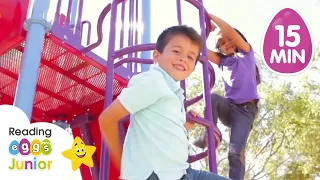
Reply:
x=174 y=85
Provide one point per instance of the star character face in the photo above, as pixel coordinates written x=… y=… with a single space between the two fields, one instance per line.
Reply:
x=80 y=154
x=79 y=148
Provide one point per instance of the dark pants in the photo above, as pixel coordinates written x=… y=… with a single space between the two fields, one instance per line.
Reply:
x=240 y=119
x=193 y=174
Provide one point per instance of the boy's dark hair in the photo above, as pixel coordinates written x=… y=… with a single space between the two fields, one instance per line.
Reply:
x=189 y=32
x=258 y=76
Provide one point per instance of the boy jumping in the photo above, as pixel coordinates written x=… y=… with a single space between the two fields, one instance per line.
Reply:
x=156 y=144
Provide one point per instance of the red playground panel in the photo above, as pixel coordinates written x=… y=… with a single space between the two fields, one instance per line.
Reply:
x=12 y=15
x=68 y=84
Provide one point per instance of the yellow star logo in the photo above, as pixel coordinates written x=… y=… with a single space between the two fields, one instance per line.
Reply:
x=80 y=154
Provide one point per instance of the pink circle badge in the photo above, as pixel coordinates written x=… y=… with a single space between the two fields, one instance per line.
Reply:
x=287 y=45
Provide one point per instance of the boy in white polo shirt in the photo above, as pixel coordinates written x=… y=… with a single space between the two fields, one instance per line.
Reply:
x=156 y=144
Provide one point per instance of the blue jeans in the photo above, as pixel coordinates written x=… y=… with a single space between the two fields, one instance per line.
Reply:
x=193 y=174
x=240 y=119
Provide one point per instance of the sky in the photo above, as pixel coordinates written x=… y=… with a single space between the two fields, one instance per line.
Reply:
x=251 y=17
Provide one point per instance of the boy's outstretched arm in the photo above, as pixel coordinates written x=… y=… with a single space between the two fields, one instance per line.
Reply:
x=108 y=121
x=231 y=32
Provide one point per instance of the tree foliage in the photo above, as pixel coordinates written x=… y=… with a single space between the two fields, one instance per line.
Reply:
x=284 y=143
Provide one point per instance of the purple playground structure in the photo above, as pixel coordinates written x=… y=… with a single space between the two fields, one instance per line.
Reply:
x=48 y=73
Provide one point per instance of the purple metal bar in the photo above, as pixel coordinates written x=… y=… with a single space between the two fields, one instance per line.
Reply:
x=57 y=15
x=146 y=31
x=136 y=40
x=134 y=48
x=193 y=100
x=198 y=4
x=80 y=120
x=78 y=10
x=206 y=123
x=79 y=24
x=68 y=18
x=207 y=94
x=89 y=31
x=211 y=71
x=137 y=24
x=130 y=39
x=131 y=60
x=179 y=12
x=74 y=11
x=199 y=120
x=183 y=82
x=122 y=129
x=212 y=80
x=84 y=128
x=123 y=9
x=101 y=18
x=197 y=157
x=104 y=162
x=131 y=22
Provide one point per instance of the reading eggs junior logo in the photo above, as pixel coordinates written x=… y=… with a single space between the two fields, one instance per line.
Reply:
x=32 y=151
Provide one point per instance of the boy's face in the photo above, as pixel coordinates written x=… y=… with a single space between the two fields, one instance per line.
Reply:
x=178 y=57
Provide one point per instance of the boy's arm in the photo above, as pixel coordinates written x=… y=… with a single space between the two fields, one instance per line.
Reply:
x=108 y=120
x=142 y=91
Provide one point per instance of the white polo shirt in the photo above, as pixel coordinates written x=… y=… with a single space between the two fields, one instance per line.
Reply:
x=156 y=139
